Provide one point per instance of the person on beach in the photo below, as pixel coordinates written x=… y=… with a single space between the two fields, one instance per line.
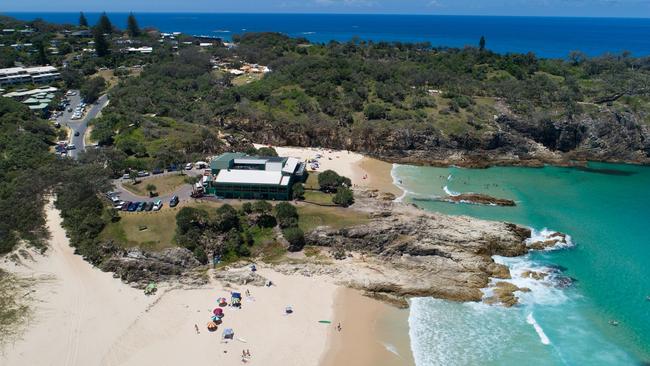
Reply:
x=338 y=327
x=196 y=327
x=248 y=352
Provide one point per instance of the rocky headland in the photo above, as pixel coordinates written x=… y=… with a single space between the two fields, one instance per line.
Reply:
x=475 y=198
x=403 y=252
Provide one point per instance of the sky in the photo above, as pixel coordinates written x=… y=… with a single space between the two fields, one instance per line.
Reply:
x=589 y=8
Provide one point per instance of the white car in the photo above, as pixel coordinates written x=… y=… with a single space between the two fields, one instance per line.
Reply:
x=158 y=205
x=189 y=166
x=71 y=147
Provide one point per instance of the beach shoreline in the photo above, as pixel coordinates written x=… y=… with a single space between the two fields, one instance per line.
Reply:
x=372 y=332
x=364 y=171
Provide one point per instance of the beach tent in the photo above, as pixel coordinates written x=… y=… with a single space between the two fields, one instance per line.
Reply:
x=218 y=312
x=222 y=301
x=288 y=310
x=228 y=333
x=236 y=295
x=212 y=326
x=216 y=320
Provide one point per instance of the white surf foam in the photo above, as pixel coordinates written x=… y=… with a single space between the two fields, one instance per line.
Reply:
x=396 y=181
x=546 y=234
x=540 y=332
x=450 y=192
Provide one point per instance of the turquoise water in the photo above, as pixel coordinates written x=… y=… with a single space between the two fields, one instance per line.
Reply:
x=606 y=210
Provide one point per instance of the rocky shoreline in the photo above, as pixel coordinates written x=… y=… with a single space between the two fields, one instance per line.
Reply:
x=473 y=198
x=404 y=252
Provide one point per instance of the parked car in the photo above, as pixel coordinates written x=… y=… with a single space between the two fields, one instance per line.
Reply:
x=158 y=205
x=115 y=199
x=189 y=166
x=157 y=171
x=76 y=133
x=173 y=201
x=133 y=206
x=141 y=206
x=143 y=173
x=71 y=147
x=148 y=206
x=172 y=168
x=126 y=176
x=125 y=206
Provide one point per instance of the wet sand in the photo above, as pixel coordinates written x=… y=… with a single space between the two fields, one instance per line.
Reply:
x=372 y=333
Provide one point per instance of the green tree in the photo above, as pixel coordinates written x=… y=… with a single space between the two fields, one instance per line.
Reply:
x=267 y=151
x=375 y=111
x=104 y=25
x=92 y=88
x=41 y=55
x=296 y=238
x=343 y=197
x=83 y=22
x=102 y=48
x=262 y=207
x=133 y=175
x=481 y=43
x=247 y=208
x=286 y=214
x=298 y=191
x=151 y=188
x=132 y=26
x=330 y=181
x=227 y=218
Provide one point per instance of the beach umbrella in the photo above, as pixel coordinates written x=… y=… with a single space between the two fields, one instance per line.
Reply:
x=222 y=301
x=217 y=311
x=212 y=326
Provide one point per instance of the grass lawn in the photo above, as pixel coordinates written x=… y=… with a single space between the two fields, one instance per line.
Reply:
x=158 y=235
x=312 y=181
x=335 y=217
x=319 y=197
x=245 y=79
x=164 y=184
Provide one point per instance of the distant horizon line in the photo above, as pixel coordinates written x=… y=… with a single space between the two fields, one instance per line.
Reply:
x=320 y=13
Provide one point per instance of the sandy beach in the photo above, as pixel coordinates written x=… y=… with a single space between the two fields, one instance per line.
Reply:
x=364 y=171
x=82 y=316
x=372 y=333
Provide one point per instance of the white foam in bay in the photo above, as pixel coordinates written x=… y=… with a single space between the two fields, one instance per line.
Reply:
x=540 y=332
x=546 y=234
x=397 y=182
x=450 y=192
x=541 y=292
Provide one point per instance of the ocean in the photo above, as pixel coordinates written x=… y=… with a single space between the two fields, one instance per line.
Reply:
x=605 y=210
x=545 y=36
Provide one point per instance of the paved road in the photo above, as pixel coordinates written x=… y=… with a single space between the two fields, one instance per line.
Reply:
x=81 y=125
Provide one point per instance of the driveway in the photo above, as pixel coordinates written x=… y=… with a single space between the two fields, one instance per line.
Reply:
x=81 y=125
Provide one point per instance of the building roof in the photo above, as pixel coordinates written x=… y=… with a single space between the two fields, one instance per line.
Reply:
x=249 y=177
x=290 y=166
x=251 y=161
x=38 y=106
x=224 y=160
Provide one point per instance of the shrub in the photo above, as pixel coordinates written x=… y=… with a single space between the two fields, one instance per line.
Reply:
x=200 y=255
x=295 y=237
x=298 y=191
x=286 y=214
x=227 y=218
x=375 y=111
x=343 y=197
x=247 y=208
x=262 y=207
x=266 y=220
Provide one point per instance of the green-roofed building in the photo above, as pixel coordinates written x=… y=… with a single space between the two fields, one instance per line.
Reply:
x=238 y=175
x=224 y=161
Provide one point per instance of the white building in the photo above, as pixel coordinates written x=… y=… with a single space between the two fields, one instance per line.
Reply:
x=22 y=75
x=139 y=49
